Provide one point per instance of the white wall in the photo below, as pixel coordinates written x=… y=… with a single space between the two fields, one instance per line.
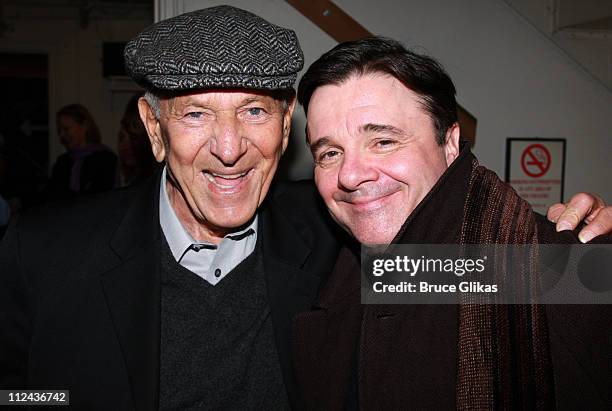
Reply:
x=75 y=60
x=590 y=44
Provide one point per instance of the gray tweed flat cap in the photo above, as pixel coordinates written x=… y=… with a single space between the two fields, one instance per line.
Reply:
x=217 y=47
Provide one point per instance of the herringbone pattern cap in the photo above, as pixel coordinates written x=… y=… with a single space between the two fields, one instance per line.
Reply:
x=217 y=47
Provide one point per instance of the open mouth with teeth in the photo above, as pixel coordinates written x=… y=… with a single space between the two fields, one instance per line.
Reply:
x=227 y=181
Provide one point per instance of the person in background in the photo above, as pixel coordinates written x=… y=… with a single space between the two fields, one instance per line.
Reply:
x=136 y=161
x=88 y=166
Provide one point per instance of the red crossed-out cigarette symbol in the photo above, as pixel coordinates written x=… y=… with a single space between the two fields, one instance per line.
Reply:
x=535 y=160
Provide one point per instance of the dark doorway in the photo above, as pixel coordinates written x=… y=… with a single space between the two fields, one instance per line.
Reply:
x=24 y=128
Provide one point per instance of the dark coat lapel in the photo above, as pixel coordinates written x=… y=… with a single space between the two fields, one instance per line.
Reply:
x=326 y=338
x=403 y=346
x=298 y=249
x=132 y=291
x=292 y=279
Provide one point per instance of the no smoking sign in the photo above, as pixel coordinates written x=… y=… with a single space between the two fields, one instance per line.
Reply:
x=535 y=160
x=535 y=169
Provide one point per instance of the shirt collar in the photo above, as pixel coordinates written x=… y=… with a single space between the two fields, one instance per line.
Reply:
x=177 y=237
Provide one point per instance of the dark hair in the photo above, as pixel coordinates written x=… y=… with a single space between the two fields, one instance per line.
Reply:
x=286 y=96
x=133 y=137
x=82 y=116
x=420 y=73
x=131 y=121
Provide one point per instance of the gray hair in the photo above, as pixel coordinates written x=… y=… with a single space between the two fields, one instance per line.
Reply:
x=153 y=101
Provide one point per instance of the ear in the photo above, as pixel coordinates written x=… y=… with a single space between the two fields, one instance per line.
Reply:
x=287 y=123
x=451 y=146
x=153 y=127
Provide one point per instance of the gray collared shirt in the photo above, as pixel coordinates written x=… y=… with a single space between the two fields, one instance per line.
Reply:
x=209 y=261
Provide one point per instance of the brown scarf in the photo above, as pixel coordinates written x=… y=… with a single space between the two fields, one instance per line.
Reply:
x=504 y=356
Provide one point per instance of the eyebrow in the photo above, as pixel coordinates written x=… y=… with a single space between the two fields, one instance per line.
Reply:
x=189 y=102
x=250 y=100
x=380 y=128
x=314 y=147
x=370 y=127
x=197 y=102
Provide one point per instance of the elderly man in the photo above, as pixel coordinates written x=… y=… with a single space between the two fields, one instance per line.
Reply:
x=177 y=294
x=382 y=128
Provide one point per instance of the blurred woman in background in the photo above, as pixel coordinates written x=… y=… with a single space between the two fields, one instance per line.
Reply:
x=88 y=166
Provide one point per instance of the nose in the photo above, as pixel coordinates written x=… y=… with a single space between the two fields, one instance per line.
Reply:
x=228 y=143
x=354 y=171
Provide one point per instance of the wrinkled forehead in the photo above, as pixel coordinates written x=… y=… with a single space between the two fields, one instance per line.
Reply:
x=232 y=96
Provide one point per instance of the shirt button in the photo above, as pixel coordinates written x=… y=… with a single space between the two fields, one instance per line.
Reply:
x=218 y=272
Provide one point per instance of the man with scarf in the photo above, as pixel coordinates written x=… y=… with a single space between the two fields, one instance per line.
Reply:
x=389 y=163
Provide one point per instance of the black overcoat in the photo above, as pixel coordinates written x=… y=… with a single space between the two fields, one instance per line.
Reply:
x=80 y=291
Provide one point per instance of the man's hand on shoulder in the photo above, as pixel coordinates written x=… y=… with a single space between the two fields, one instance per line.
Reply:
x=583 y=207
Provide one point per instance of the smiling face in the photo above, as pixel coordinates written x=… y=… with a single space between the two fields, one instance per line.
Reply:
x=222 y=149
x=375 y=153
